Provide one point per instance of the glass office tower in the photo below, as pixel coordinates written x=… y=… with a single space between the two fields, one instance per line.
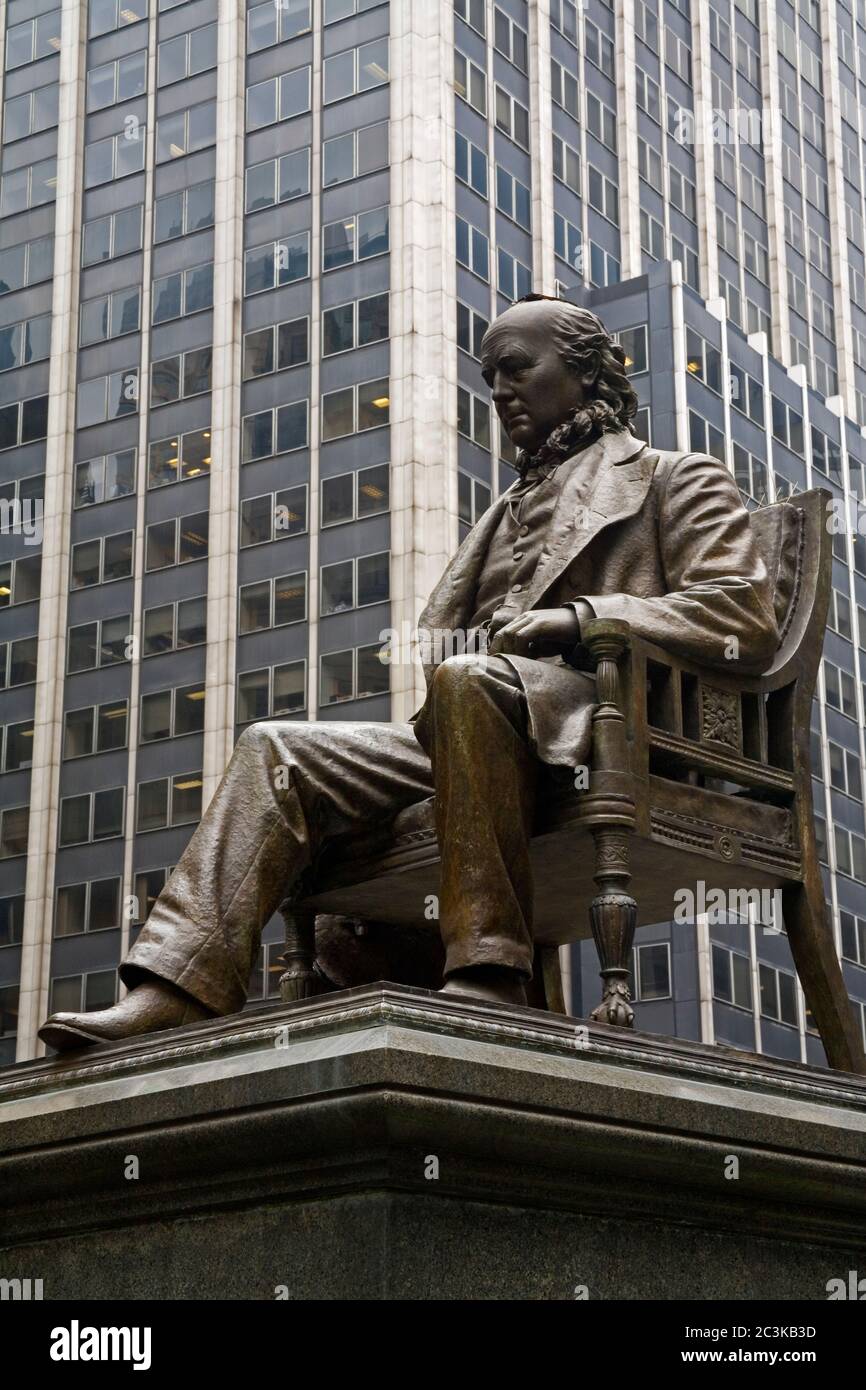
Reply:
x=247 y=256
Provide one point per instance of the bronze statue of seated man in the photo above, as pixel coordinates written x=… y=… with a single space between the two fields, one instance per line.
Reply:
x=678 y=562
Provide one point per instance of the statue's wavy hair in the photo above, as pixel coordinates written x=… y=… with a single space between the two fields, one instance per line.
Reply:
x=586 y=346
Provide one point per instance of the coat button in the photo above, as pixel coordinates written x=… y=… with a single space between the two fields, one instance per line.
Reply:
x=524 y=530
x=518 y=555
x=515 y=588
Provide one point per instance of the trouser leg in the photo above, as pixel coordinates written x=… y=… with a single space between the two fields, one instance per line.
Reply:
x=485 y=778
x=287 y=789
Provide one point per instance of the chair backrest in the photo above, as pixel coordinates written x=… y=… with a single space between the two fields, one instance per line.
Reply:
x=780 y=532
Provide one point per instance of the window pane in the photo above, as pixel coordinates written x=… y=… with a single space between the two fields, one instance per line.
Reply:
x=290 y=515
x=104 y=895
x=255 y=606
x=108 y=813
x=372 y=64
x=372 y=319
x=654 y=974
x=373 y=578
x=185 y=799
x=97 y=241
x=252 y=696
x=373 y=232
x=111 y=726
x=70 y=916
x=373 y=404
x=74 y=820
x=338 y=244
x=338 y=413
x=200 y=206
x=289 y=691
x=152 y=804
x=114 y=641
x=85 y=564
x=257 y=515
x=258 y=353
x=293 y=175
x=338 y=159
x=292 y=343
x=291 y=426
x=189 y=710
x=294 y=93
x=193 y=537
x=158 y=630
x=338 y=329
x=160 y=545
x=290 y=599
x=337 y=588
x=374 y=676
x=19 y=746
x=373 y=147
x=78 y=733
x=191 y=622
x=336 y=679
x=373 y=490
x=156 y=716
x=338 y=499
x=127 y=231
x=100 y=989
x=168 y=221
x=339 y=76
x=82 y=647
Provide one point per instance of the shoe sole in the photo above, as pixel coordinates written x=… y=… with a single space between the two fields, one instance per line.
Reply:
x=66 y=1039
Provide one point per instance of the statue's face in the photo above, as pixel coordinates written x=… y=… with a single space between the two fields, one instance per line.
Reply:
x=533 y=388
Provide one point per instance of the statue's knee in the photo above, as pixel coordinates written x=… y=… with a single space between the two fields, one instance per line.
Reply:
x=457 y=672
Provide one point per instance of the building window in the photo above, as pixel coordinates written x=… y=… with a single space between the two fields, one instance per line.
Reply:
x=101 y=560
x=788 y=426
x=513 y=278
x=850 y=854
x=703 y=361
x=28 y=187
x=277 y=180
x=272 y=603
x=599 y=49
x=277 y=263
x=174 y=626
x=107 y=397
x=732 y=977
x=27 y=263
x=35 y=39
x=269 y=23
x=12 y=920
x=14 y=826
x=114 y=157
x=94 y=729
x=568 y=242
x=92 y=816
x=601 y=121
x=603 y=194
x=839 y=689
x=563 y=16
x=20 y=580
x=104 y=643
x=30 y=114
x=473 y=498
x=276 y=348
x=853 y=937
x=651 y=977
x=278 y=99
x=87 y=907
x=353 y=675
x=512 y=118
x=566 y=164
x=513 y=198
x=175 y=378
x=77 y=993
x=353 y=496
x=471 y=327
x=104 y=17
x=355 y=153
x=16 y=742
x=168 y=801
x=470 y=82
x=778 y=994
x=705 y=438
x=184 y=132
x=633 y=342
x=271 y=691
x=355 y=408
x=352 y=325
x=473 y=417
x=563 y=89
x=23 y=422
x=189 y=210
x=473 y=249
x=177 y=541
x=25 y=342
x=184 y=292
x=122 y=80
x=276 y=431
x=356 y=583
x=510 y=40
x=274 y=516
x=109 y=316
x=751 y=474
x=176 y=459
x=471 y=11
x=355 y=238
x=470 y=164
x=106 y=238
x=355 y=70
x=172 y=713
x=18 y=662
x=186 y=55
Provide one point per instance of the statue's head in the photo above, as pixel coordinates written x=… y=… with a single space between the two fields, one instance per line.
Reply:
x=550 y=363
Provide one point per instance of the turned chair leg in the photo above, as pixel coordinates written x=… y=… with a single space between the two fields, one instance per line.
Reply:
x=613 y=917
x=299 y=980
x=811 y=940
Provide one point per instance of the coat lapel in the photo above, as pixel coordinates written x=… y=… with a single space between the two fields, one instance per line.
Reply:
x=608 y=484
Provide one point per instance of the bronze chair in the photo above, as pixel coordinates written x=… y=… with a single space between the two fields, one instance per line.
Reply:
x=696 y=774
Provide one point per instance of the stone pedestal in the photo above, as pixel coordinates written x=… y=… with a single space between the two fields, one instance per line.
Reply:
x=389 y=1143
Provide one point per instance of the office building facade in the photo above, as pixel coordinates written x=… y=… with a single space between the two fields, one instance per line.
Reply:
x=247 y=255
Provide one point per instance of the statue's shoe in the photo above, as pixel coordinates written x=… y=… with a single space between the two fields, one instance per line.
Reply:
x=149 y=1008
x=505 y=989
